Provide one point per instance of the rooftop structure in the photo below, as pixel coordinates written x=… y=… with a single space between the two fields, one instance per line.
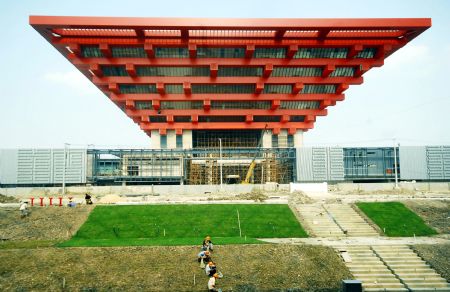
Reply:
x=225 y=78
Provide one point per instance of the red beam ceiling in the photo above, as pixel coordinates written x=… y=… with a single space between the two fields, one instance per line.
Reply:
x=68 y=34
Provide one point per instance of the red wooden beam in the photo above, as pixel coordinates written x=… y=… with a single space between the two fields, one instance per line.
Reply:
x=213 y=69
x=106 y=50
x=249 y=50
x=149 y=50
x=327 y=70
x=131 y=69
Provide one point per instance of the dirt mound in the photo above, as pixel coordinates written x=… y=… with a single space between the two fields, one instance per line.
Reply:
x=437 y=256
x=300 y=197
x=110 y=199
x=435 y=213
x=259 y=267
x=44 y=223
x=8 y=199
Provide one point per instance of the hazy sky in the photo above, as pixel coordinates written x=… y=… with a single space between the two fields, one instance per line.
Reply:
x=46 y=102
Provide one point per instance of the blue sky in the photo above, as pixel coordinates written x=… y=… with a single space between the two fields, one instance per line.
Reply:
x=46 y=102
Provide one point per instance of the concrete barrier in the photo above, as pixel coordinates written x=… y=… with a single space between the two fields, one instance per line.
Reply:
x=315 y=188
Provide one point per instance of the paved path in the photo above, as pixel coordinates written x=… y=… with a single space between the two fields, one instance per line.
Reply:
x=360 y=240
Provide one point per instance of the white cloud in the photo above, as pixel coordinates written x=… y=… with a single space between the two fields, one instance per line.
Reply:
x=73 y=79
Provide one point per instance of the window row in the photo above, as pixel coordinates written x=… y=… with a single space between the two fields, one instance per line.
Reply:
x=218 y=104
x=226 y=71
x=93 y=51
x=225 y=119
x=227 y=88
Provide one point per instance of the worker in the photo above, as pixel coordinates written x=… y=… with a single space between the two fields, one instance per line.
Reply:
x=23 y=209
x=212 y=283
x=210 y=269
x=204 y=256
x=207 y=244
x=88 y=197
x=71 y=203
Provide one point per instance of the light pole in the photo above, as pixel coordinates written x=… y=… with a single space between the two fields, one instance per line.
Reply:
x=220 y=154
x=395 y=164
x=66 y=145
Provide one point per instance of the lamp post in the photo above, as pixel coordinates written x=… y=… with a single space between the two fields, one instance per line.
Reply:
x=66 y=145
x=395 y=164
x=220 y=155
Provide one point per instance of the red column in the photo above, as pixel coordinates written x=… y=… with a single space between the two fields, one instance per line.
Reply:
x=41 y=201
x=32 y=201
x=51 y=201
x=60 y=201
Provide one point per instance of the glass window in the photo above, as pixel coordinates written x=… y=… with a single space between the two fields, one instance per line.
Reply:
x=266 y=118
x=270 y=53
x=181 y=104
x=223 y=88
x=221 y=119
x=91 y=52
x=296 y=71
x=287 y=104
x=182 y=119
x=172 y=71
x=290 y=140
x=174 y=88
x=171 y=53
x=274 y=141
x=343 y=72
x=163 y=141
x=307 y=53
x=277 y=88
x=114 y=71
x=158 y=119
x=179 y=141
x=216 y=104
x=367 y=53
x=137 y=88
x=297 y=118
x=141 y=105
x=240 y=71
x=203 y=52
x=128 y=52
x=319 y=88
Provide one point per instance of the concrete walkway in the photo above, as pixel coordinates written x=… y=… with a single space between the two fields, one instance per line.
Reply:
x=388 y=241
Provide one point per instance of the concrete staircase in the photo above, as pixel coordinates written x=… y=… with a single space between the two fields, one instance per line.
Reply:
x=318 y=220
x=415 y=273
x=364 y=264
x=350 y=221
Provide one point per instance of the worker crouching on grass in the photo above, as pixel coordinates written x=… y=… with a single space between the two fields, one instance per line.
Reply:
x=207 y=244
x=212 y=283
x=23 y=209
x=210 y=269
x=203 y=258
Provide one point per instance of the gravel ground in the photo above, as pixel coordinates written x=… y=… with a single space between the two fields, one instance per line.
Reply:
x=44 y=223
x=245 y=268
x=438 y=256
x=435 y=213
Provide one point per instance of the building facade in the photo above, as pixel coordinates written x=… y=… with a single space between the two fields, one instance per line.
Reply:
x=249 y=86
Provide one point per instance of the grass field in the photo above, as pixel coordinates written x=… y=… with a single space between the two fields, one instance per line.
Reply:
x=395 y=219
x=185 y=225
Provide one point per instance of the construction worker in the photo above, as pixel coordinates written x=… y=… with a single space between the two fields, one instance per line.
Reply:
x=212 y=283
x=210 y=269
x=207 y=244
x=204 y=256
x=23 y=209
x=88 y=197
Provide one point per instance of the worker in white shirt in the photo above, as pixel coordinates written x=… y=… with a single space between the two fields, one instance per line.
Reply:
x=23 y=209
x=212 y=283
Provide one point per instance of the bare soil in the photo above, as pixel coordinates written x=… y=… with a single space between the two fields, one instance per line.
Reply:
x=435 y=213
x=245 y=268
x=8 y=199
x=43 y=223
x=437 y=256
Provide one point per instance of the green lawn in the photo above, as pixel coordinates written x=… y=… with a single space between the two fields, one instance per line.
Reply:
x=396 y=219
x=185 y=224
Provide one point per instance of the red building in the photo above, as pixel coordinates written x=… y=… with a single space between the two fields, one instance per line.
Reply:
x=189 y=82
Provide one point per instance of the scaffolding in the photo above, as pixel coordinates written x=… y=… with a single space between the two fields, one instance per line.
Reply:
x=194 y=167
